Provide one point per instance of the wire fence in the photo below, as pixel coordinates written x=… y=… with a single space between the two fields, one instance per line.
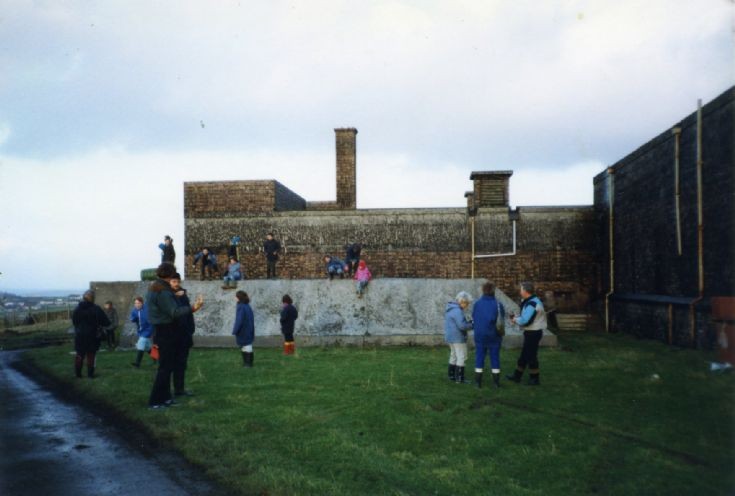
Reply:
x=23 y=317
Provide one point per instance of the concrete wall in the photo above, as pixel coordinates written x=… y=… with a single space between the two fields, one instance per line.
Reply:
x=392 y=312
x=654 y=283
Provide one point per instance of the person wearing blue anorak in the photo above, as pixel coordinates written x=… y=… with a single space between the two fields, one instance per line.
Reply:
x=456 y=326
x=487 y=340
x=233 y=274
x=139 y=316
x=244 y=328
x=532 y=322
x=334 y=266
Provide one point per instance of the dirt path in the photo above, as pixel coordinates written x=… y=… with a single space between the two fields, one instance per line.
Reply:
x=49 y=447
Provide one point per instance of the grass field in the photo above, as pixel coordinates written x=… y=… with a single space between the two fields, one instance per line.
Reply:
x=54 y=332
x=386 y=421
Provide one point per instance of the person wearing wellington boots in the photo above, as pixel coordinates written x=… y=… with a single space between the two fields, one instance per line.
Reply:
x=89 y=321
x=139 y=315
x=163 y=312
x=487 y=340
x=244 y=328
x=456 y=326
x=289 y=314
x=532 y=322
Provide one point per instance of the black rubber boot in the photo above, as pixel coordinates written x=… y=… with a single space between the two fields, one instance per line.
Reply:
x=78 y=371
x=478 y=379
x=534 y=380
x=331 y=276
x=244 y=359
x=452 y=372
x=516 y=377
x=460 y=376
x=249 y=359
x=138 y=359
x=496 y=379
x=90 y=372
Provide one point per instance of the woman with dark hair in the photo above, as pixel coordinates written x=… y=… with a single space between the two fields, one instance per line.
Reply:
x=89 y=321
x=289 y=314
x=244 y=328
x=163 y=312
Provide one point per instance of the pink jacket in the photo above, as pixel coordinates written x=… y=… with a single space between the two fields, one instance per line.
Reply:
x=363 y=274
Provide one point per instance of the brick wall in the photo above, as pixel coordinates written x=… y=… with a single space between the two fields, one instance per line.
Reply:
x=647 y=263
x=556 y=246
x=236 y=198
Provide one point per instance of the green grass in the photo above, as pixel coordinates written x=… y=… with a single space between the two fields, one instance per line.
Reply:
x=386 y=421
x=53 y=332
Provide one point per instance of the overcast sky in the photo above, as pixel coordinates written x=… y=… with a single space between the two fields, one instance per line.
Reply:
x=106 y=108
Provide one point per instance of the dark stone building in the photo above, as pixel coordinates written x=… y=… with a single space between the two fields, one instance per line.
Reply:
x=666 y=224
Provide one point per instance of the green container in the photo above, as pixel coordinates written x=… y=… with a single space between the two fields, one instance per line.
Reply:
x=148 y=275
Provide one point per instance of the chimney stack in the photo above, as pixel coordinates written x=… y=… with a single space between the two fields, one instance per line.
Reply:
x=346 y=143
x=491 y=188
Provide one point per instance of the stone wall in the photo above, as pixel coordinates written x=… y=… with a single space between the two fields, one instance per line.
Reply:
x=555 y=245
x=393 y=311
x=654 y=283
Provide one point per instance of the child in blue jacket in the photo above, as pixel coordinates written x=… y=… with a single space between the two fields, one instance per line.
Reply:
x=139 y=315
x=244 y=328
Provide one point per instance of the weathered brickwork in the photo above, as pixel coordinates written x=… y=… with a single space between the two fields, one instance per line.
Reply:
x=346 y=144
x=555 y=246
x=236 y=198
x=650 y=274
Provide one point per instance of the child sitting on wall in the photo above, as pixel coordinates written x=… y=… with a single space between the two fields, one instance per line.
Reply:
x=233 y=274
x=334 y=266
x=362 y=276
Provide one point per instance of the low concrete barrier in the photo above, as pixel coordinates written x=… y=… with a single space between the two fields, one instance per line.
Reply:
x=392 y=311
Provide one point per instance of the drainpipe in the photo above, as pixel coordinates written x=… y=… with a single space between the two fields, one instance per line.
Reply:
x=700 y=229
x=611 y=224
x=510 y=254
x=677 y=192
x=472 y=235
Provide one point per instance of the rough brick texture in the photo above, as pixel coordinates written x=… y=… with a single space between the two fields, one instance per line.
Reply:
x=555 y=246
x=491 y=188
x=646 y=258
x=235 y=198
x=346 y=144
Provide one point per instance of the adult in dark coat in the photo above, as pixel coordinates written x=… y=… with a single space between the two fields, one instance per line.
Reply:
x=89 y=321
x=163 y=311
x=185 y=328
x=167 y=247
x=271 y=247
x=244 y=328
x=289 y=314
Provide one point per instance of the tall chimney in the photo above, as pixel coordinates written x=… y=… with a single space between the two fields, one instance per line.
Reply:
x=346 y=143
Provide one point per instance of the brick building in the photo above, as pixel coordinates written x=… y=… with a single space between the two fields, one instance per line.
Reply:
x=666 y=225
x=554 y=246
x=639 y=255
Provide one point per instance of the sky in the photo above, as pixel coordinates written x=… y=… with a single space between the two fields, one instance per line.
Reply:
x=106 y=108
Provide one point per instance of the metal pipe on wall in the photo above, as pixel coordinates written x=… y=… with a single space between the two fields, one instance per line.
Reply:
x=611 y=224
x=472 y=230
x=700 y=231
x=499 y=254
x=677 y=191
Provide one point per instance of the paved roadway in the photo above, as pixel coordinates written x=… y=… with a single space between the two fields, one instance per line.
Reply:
x=51 y=448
